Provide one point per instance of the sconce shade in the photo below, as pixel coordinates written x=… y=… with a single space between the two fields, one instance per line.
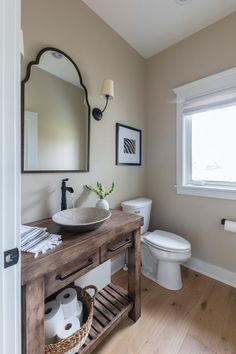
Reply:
x=107 y=92
x=107 y=89
x=22 y=42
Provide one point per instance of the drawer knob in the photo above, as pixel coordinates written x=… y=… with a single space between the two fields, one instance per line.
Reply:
x=87 y=264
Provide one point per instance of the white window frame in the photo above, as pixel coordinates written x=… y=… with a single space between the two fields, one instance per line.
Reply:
x=213 y=84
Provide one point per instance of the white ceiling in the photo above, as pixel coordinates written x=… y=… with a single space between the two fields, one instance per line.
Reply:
x=150 y=26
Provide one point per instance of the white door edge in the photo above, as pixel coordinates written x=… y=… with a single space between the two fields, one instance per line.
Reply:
x=10 y=300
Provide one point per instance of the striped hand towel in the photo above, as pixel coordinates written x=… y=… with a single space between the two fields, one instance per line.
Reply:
x=37 y=240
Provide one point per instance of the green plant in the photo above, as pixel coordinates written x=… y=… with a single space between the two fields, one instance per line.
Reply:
x=100 y=190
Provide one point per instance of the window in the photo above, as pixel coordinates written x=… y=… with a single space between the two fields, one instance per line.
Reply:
x=206 y=136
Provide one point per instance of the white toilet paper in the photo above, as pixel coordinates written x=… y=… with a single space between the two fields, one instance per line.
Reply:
x=54 y=320
x=71 y=325
x=51 y=340
x=79 y=311
x=68 y=300
x=230 y=226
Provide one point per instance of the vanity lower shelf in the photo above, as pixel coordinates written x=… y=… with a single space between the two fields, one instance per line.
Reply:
x=111 y=305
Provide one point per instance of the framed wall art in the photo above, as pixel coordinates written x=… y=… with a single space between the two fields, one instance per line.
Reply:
x=128 y=145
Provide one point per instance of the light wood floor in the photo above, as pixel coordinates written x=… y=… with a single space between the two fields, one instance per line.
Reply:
x=199 y=319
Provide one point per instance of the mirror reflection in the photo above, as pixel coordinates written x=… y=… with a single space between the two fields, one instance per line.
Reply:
x=56 y=115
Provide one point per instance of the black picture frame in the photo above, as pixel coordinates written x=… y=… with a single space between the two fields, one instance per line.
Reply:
x=128 y=145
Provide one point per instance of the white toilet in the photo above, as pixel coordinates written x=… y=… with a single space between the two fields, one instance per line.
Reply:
x=162 y=251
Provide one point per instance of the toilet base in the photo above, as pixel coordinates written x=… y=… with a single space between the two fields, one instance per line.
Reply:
x=169 y=275
x=170 y=280
x=149 y=275
x=149 y=264
x=163 y=272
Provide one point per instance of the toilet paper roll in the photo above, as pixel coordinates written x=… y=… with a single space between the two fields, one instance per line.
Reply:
x=71 y=325
x=230 y=226
x=68 y=300
x=79 y=311
x=53 y=319
x=52 y=340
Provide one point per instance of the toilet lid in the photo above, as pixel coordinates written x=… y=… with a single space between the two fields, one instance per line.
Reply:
x=167 y=241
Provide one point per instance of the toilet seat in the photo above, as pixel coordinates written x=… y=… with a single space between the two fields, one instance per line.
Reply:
x=167 y=241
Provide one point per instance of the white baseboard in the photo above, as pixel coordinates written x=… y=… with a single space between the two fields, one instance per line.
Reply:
x=212 y=271
x=117 y=264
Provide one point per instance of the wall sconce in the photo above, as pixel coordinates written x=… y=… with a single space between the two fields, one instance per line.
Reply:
x=107 y=92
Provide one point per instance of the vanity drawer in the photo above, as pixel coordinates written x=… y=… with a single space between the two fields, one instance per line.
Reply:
x=67 y=274
x=116 y=246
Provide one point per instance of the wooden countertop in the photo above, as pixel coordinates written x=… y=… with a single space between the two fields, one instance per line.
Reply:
x=74 y=244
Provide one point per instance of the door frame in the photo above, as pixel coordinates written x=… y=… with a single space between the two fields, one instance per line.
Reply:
x=10 y=299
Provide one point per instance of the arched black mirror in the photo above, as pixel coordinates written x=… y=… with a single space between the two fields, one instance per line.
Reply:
x=55 y=115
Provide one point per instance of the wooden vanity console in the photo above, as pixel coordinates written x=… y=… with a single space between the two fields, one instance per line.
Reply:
x=79 y=253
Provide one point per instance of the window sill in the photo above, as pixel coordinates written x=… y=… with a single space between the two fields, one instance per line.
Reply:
x=208 y=191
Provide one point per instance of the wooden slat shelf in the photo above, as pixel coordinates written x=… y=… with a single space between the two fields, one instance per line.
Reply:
x=111 y=305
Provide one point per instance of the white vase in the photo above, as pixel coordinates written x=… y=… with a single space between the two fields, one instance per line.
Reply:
x=102 y=204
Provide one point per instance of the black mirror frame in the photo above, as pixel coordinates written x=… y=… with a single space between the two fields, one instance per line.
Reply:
x=23 y=82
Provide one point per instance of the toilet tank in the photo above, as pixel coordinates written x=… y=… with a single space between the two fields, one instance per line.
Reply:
x=139 y=206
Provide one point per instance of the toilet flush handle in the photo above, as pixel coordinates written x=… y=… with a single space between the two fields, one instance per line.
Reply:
x=137 y=211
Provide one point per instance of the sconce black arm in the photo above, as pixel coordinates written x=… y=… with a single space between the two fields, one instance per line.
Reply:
x=97 y=113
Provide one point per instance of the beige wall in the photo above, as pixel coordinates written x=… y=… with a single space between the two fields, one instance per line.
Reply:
x=100 y=53
x=198 y=219
x=62 y=121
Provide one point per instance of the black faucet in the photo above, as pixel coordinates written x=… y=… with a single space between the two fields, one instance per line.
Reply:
x=64 y=188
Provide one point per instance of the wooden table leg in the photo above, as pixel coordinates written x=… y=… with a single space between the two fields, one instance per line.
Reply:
x=134 y=276
x=33 y=340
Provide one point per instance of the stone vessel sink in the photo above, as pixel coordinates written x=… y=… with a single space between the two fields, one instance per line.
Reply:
x=81 y=219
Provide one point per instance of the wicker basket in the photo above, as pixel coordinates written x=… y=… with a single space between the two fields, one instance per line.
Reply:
x=72 y=344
